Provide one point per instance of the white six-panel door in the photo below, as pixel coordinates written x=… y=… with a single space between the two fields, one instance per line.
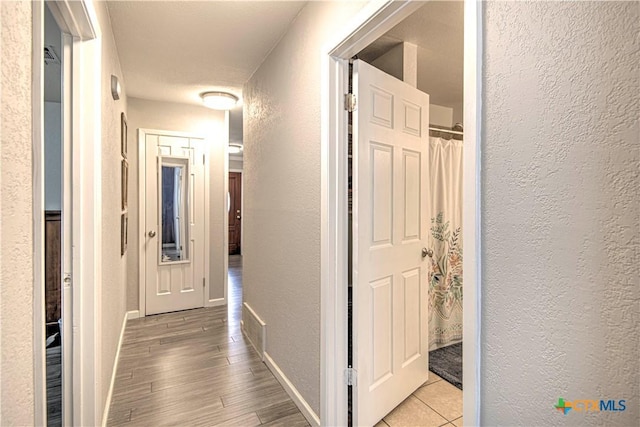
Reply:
x=390 y=225
x=179 y=284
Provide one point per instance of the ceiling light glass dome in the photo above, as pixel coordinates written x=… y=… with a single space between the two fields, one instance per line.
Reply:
x=219 y=100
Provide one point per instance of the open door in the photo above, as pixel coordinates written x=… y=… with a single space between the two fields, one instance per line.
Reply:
x=390 y=224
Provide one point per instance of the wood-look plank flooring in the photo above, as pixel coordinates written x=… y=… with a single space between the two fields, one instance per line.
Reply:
x=54 y=386
x=195 y=368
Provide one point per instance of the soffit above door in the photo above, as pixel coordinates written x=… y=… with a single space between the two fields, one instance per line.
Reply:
x=437 y=28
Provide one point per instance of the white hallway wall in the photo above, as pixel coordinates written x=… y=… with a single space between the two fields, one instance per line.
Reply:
x=53 y=156
x=235 y=164
x=111 y=299
x=281 y=243
x=52 y=118
x=560 y=213
x=184 y=118
x=16 y=225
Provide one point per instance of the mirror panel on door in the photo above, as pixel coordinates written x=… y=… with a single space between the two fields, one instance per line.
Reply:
x=174 y=209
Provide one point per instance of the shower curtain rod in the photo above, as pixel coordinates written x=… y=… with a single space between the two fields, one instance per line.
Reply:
x=455 y=132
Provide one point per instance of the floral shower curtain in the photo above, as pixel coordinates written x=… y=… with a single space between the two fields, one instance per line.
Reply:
x=445 y=238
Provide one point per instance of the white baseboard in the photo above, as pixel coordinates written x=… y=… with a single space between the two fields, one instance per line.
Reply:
x=293 y=393
x=107 y=405
x=133 y=314
x=215 y=302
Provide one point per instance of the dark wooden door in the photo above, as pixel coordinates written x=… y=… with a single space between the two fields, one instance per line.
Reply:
x=235 y=211
x=53 y=269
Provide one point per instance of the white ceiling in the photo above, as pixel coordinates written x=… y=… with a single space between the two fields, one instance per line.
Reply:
x=173 y=51
x=437 y=28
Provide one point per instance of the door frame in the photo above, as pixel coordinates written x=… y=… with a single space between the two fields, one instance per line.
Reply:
x=375 y=19
x=81 y=138
x=142 y=213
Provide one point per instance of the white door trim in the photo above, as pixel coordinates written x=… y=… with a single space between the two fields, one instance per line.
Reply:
x=67 y=237
x=471 y=213
x=142 y=213
x=375 y=19
x=82 y=129
x=225 y=224
x=39 y=333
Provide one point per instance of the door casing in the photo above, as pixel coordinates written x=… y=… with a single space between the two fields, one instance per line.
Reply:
x=374 y=20
x=82 y=199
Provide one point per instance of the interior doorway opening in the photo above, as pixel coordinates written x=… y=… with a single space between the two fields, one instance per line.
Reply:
x=174 y=211
x=55 y=233
x=235 y=213
x=372 y=23
x=235 y=204
x=80 y=199
x=423 y=54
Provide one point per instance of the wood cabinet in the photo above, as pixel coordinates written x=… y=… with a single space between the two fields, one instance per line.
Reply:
x=53 y=269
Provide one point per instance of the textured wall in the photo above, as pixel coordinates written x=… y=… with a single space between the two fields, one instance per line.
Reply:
x=391 y=62
x=281 y=274
x=53 y=156
x=189 y=119
x=113 y=292
x=52 y=117
x=16 y=220
x=235 y=164
x=52 y=72
x=560 y=211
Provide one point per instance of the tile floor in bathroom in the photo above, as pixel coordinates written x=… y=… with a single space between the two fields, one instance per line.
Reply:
x=436 y=403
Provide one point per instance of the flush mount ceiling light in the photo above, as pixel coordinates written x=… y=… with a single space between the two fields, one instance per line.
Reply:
x=235 y=149
x=219 y=100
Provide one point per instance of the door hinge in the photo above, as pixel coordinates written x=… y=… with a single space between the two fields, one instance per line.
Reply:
x=203 y=282
x=350 y=102
x=203 y=157
x=351 y=376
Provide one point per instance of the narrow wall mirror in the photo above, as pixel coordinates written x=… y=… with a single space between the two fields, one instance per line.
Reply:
x=174 y=209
